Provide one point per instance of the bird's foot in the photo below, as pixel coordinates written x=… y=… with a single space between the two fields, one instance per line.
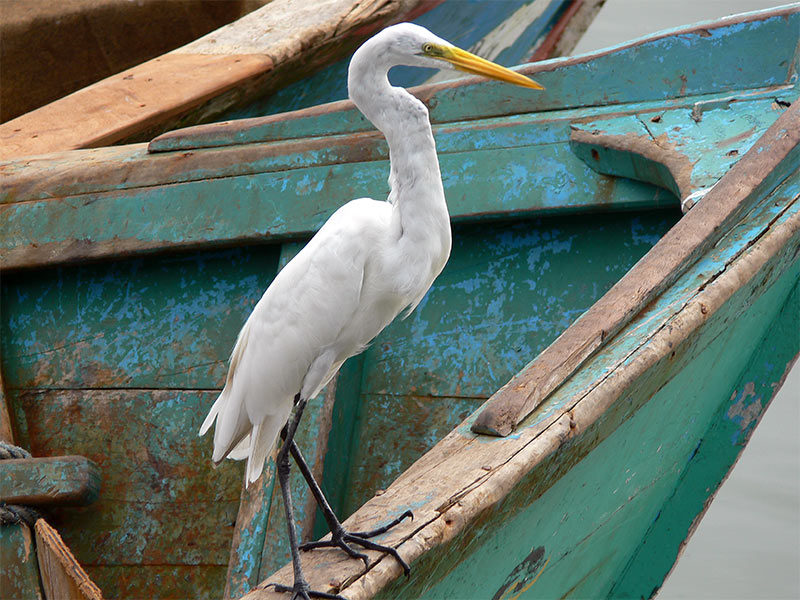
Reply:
x=343 y=539
x=302 y=591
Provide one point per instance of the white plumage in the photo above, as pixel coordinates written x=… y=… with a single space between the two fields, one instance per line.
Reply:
x=367 y=263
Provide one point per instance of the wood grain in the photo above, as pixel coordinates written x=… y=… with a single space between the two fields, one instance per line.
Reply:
x=62 y=576
x=259 y=52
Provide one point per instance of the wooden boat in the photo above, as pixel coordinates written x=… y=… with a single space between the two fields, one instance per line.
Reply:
x=51 y=49
x=236 y=69
x=128 y=272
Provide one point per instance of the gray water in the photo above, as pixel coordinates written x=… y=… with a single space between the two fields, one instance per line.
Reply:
x=748 y=544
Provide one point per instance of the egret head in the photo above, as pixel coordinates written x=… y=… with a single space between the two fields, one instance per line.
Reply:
x=412 y=45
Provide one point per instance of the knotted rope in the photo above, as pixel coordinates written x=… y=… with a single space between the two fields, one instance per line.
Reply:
x=15 y=513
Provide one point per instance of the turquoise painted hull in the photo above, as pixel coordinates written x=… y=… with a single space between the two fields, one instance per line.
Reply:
x=129 y=271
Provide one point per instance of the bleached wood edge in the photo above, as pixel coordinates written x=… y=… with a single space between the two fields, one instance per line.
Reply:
x=62 y=577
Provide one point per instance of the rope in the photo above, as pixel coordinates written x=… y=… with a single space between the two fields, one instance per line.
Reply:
x=11 y=451
x=15 y=513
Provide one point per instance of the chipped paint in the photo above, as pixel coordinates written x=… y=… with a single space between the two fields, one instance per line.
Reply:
x=745 y=411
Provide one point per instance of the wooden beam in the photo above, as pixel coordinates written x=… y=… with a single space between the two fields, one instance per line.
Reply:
x=764 y=166
x=229 y=67
x=51 y=49
x=62 y=577
x=50 y=481
x=6 y=426
x=124 y=104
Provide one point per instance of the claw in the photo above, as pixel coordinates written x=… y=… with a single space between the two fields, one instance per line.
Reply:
x=385 y=528
x=341 y=539
x=302 y=591
x=342 y=544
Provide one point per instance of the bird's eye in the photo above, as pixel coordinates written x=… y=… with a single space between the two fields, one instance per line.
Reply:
x=427 y=48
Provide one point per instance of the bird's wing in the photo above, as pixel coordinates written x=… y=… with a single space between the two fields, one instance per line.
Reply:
x=300 y=316
x=312 y=300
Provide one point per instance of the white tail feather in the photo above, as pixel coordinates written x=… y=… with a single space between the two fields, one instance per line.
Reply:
x=262 y=442
x=241 y=450
x=212 y=414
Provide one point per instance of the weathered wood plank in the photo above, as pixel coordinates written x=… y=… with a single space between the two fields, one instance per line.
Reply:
x=174 y=582
x=60 y=480
x=137 y=99
x=776 y=154
x=118 y=532
x=110 y=169
x=684 y=151
x=190 y=215
x=173 y=326
x=456 y=499
x=250 y=57
x=62 y=576
x=143 y=441
x=728 y=433
x=162 y=502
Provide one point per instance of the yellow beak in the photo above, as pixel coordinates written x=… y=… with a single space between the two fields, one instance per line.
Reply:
x=466 y=61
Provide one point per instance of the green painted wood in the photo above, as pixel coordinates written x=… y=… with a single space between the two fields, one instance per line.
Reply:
x=728 y=433
x=162 y=503
x=507 y=291
x=523 y=168
x=696 y=148
x=49 y=481
x=570 y=526
x=658 y=67
x=177 y=582
x=144 y=323
x=19 y=577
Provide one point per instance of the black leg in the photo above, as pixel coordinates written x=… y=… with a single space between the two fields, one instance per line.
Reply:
x=300 y=589
x=339 y=537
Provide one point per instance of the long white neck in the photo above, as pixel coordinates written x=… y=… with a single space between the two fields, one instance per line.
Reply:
x=420 y=210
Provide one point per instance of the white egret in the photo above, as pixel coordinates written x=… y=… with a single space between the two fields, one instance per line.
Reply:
x=369 y=261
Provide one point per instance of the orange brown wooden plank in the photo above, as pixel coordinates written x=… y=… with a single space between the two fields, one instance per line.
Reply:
x=123 y=104
x=251 y=57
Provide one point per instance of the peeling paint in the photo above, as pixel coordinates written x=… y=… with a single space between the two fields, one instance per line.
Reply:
x=745 y=411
